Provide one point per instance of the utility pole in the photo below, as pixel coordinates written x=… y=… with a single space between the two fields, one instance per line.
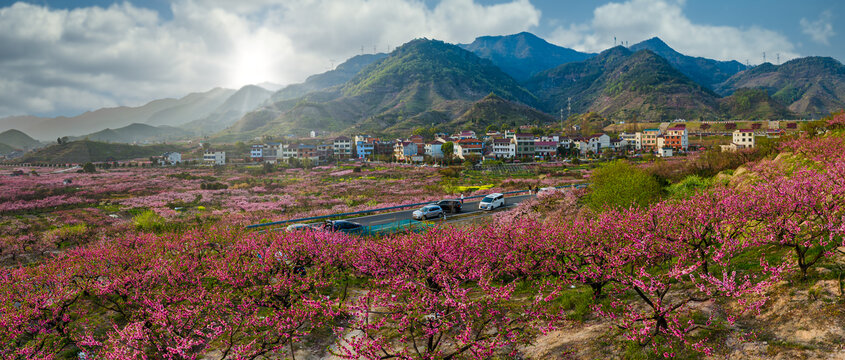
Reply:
x=778 y=62
x=764 y=57
x=561 y=121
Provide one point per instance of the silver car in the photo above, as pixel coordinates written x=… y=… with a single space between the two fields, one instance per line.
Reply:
x=428 y=212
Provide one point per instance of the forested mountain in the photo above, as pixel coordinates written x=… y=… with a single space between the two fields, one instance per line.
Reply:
x=810 y=85
x=523 y=55
x=337 y=76
x=626 y=86
x=707 y=72
x=18 y=140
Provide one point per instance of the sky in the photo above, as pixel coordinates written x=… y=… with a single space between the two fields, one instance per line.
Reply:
x=65 y=57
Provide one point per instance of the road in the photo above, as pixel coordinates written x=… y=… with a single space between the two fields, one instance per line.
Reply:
x=469 y=207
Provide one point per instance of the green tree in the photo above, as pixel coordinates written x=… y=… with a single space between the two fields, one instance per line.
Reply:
x=89 y=168
x=448 y=149
x=620 y=185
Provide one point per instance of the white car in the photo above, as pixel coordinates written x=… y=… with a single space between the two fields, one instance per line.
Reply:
x=428 y=212
x=492 y=201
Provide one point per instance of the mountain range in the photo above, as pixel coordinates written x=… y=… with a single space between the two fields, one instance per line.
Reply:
x=420 y=83
x=495 y=80
x=217 y=106
x=810 y=85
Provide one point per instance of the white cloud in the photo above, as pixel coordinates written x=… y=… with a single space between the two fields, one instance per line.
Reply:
x=69 y=61
x=820 y=30
x=638 y=20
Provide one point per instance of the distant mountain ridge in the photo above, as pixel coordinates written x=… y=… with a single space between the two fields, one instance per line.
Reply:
x=524 y=54
x=704 y=71
x=246 y=99
x=810 y=85
x=161 y=112
x=137 y=133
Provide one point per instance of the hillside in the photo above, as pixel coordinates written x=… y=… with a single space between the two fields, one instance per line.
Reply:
x=192 y=106
x=622 y=85
x=246 y=99
x=18 y=140
x=5 y=149
x=135 y=133
x=421 y=82
x=704 y=71
x=337 y=76
x=91 y=151
x=810 y=85
x=751 y=104
x=493 y=110
x=523 y=55
x=162 y=111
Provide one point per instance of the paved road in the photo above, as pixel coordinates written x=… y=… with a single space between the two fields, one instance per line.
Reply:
x=468 y=208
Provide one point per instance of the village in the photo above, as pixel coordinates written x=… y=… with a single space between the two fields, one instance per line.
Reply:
x=519 y=145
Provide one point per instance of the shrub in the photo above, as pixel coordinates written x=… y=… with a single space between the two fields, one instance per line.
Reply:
x=150 y=221
x=619 y=185
x=213 y=186
x=89 y=168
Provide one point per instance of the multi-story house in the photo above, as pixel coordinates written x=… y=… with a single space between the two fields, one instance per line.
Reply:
x=743 y=138
x=434 y=149
x=504 y=148
x=597 y=142
x=343 y=148
x=383 y=148
x=403 y=150
x=307 y=152
x=632 y=141
x=524 y=145
x=214 y=157
x=256 y=153
x=546 y=149
x=677 y=138
x=287 y=151
x=467 y=147
x=648 y=139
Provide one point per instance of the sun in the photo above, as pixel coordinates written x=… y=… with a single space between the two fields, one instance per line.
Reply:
x=252 y=63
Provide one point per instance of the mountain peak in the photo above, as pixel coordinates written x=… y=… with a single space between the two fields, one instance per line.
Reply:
x=524 y=54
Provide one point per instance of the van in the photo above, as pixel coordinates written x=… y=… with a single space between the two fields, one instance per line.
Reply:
x=492 y=201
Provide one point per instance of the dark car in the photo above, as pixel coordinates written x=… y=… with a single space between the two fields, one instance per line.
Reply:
x=344 y=226
x=450 y=206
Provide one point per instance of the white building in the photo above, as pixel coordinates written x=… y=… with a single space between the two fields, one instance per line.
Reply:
x=742 y=139
x=633 y=140
x=215 y=157
x=597 y=142
x=434 y=149
x=256 y=153
x=504 y=148
x=343 y=147
x=172 y=158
